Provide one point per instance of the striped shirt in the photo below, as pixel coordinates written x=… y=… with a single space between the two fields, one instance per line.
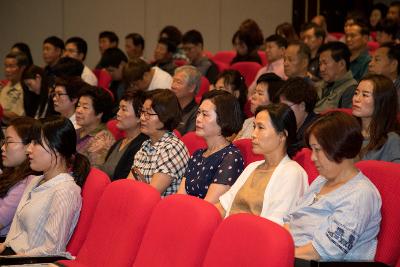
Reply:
x=46 y=216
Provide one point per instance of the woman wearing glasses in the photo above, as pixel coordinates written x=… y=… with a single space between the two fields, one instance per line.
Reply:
x=162 y=160
x=65 y=97
x=92 y=112
x=16 y=173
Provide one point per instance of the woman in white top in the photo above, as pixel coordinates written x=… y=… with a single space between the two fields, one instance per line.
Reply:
x=49 y=209
x=271 y=187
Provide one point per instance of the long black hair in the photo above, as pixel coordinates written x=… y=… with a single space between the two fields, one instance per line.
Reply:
x=59 y=135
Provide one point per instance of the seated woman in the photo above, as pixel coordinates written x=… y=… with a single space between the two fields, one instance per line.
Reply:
x=338 y=217
x=212 y=171
x=162 y=160
x=17 y=174
x=233 y=82
x=120 y=157
x=65 y=96
x=271 y=187
x=245 y=50
x=37 y=101
x=375 y=104
x=49 y=209
x=92 y=112
x=301 y=97
x=268 y=85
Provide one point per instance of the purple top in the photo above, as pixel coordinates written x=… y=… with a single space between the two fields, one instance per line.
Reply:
x=9 y=204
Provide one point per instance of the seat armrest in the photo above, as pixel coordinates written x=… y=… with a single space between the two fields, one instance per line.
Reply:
x=306 y=263
x=19 y=260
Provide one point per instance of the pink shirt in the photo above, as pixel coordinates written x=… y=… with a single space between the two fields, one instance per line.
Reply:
x=9 y=203
x=275 y=67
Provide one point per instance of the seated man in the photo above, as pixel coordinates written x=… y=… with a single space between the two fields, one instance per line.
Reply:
x=114 y=61
x=386 y=61
x=76 y=47
x=357 y=35
x=163 y=55
x=386 y=31
x=53 y=48
x=12 y=95
x=313 y=36
x=192 y=44
x=275 y=46
x=339 y=84
x=296 y=59
x=185 y=85
x=134 y=45
x=140 y=75
x=107 y=40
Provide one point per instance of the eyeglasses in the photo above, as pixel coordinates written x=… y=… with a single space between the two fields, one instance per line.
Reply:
x=147 y=114
x=5 y=143
x=57 y=95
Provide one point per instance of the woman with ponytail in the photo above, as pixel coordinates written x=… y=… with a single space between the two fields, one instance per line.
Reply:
x=49 y=209
x=16 y=172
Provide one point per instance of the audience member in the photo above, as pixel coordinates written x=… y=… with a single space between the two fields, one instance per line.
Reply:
x=234 y=83
x=212 y=171
x=163 y=55
x=173 y=34
x=134 y=45
x=65 y=97
x=338 y=217
x=378 y=13
x=186 y=85
x=192 y=44
x=37 y=100
x=375 y=104
x=246 y=49
x=386 y=31
x=271 y=187
x=68 y=67
x=321 y=21
x=357 y=35
x=287 y=31
x=120 y=157
x=394 y=11
x=265 y=93
x=92 y=112
x=76 y=47
x=16 y=173
x=114 y=61
x=301 y=97
x=313 y=36
x=386 y=61
x=162 y=160
x=49 y=209
x=23 y=48
x=339 y=84
x=12 y=94
x=107 y=39
x=296 y=59
x=139 y=74
x=53 y=48
x=275 y=46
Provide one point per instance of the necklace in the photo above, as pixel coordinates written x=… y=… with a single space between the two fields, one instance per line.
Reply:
x=317 y=196
x=211 y=151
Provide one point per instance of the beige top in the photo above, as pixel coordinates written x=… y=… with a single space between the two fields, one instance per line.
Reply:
x=12 y=98
x=250 y=197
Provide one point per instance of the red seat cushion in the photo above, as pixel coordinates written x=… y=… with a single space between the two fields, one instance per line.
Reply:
x=303 y=157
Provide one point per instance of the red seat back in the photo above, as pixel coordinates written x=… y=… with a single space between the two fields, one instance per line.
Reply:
x=178 y=233
x=103 y=78
x=249 y=240
x=207 y=54
x=112 y=127
x=345 y=110
x=224 y=56
x=204 y=87
x=372 y=46
x=92 y=191
x=248 y=70
x=246 y=150
x=303 y=157
x=180 y=62
x=337 y=35
x=263 y=57
x=193 y=142
x=221 y=65
x=118 y=224
x=386 y=178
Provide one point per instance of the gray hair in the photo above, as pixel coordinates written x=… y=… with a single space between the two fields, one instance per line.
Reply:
x=192 y=75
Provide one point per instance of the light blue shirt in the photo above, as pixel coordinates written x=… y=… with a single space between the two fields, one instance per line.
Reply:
x=343 y=224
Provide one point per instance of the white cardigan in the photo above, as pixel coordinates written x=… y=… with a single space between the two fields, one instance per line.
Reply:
x=288 y=183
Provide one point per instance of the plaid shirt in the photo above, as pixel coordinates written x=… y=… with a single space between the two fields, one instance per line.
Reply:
x=168 y=155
